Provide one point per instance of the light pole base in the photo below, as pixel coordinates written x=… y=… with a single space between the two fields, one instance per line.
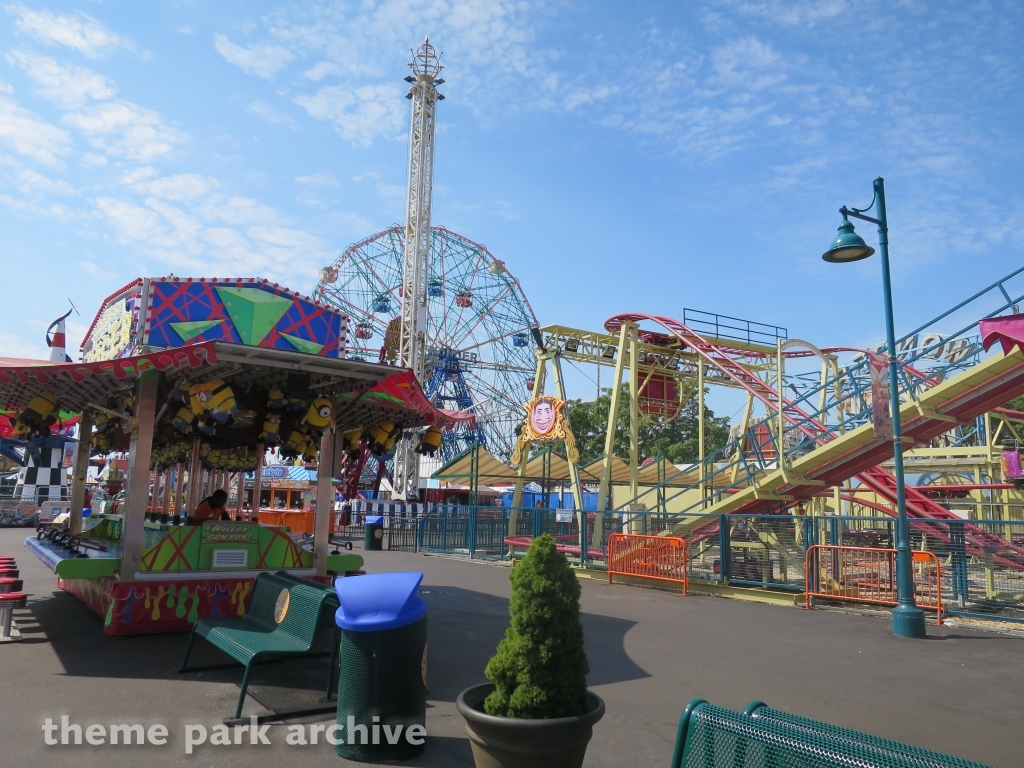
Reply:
x=908 y=621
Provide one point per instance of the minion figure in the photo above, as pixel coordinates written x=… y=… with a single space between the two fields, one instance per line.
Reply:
x=183 y=419
x=294 y=443
x=180 y=393
x=38 y=415
x=271 y=428
x=310 y=452
x=350 y=443
x=318 y=414
x=102 y=442
x=382 y=438
x=214 y=397
x=208 y=427
x=276 y=401
x=430 y=443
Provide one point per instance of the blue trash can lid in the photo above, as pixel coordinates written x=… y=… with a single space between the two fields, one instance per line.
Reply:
x=375 y=519
x=379 y=601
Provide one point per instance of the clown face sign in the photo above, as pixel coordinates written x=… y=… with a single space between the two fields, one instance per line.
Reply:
x=545 y=420
x=543 y=416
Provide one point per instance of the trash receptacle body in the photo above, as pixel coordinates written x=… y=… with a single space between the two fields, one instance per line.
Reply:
x=373 y=533
x=382 y=687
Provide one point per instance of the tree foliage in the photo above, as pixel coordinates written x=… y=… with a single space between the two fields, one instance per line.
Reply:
x=540 y=668
x=1017 y=404
x=676 y=440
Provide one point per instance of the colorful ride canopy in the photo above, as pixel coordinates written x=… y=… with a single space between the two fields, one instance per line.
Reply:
x=169 y=312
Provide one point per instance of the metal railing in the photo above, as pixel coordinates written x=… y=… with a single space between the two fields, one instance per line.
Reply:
x=662 y=558
x=978 y=573
x=868 y=575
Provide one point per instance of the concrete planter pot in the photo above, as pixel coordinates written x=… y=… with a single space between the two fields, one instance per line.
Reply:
x=504 y=742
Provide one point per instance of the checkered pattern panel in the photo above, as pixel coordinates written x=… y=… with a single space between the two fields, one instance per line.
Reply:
x=43 y=478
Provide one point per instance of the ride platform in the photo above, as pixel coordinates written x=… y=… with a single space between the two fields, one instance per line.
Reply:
x=187 y=571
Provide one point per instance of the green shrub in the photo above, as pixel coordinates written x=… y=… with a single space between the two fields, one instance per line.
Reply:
x=540 y=668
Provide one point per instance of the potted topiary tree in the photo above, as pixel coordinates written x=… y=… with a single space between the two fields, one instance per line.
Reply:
x=536 y=712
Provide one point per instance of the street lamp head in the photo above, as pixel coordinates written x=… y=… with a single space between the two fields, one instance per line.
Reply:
x=848 y=245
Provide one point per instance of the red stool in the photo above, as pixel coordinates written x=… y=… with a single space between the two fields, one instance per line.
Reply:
x=11 y=573
x=10 y=585
x=8 y=602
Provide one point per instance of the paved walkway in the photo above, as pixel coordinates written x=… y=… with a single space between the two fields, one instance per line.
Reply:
x=960 y=691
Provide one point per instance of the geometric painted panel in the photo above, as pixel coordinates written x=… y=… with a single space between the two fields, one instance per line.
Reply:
x=185 y=311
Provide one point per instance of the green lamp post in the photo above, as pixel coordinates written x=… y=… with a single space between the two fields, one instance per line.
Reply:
x=907 y=618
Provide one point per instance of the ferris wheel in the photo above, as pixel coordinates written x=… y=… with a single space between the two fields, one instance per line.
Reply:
x=479 y=349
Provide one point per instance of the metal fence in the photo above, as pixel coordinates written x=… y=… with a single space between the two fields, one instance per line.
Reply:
x=662 y=558
x=982 y=561
x=868 y=575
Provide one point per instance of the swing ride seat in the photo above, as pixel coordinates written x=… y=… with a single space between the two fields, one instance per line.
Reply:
x=281 y=620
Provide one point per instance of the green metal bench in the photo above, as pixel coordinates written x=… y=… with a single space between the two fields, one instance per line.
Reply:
x=281 y=620
x=712 y=737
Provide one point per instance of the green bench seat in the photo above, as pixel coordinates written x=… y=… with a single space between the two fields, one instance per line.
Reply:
x=281 y=620
x=761 y=737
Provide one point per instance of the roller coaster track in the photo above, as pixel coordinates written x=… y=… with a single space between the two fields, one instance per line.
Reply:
x=838 y=457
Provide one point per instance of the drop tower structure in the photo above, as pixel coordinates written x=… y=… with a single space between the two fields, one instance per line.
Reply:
x=426 y=68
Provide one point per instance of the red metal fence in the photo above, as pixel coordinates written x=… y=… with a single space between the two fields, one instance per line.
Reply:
x=650 y=557
x=868 y=575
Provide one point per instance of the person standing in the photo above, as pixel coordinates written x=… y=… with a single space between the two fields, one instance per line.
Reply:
x=212 y=507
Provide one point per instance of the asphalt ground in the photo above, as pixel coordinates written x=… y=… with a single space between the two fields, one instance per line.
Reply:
x=959 y=691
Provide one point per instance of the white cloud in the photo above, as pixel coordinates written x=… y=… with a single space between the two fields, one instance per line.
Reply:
x=125 y=129
x=359 y=113
x=239 y=211
x=18 y=347
x=322 y=179
x=180 y=187
x=390 y=190
x=747 y=63
x=92 y=160
x=31 y=136
x=134 y=223
x=186 y=222
x=67 y=86
x=320 y=70
x=312 y=201
x=792 y=13
x=95 y=270
x=35 y=184
x=78 y=32
x=267 y=112
x=260 y=59
x=189 y=239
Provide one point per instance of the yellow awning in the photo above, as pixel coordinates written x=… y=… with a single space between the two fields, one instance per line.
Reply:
x=488 y=468
x=620 y=471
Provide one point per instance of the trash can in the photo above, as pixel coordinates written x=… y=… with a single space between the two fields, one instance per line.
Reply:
x=373 y=533
x=382 y=686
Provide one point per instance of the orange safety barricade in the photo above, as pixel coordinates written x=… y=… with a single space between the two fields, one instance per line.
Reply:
x=868 y=575
x=300 y=522
x=650 y=557
x=297 y=522
x=269 y=517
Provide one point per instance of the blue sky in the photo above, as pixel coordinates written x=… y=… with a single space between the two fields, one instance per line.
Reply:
x=617 y=156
